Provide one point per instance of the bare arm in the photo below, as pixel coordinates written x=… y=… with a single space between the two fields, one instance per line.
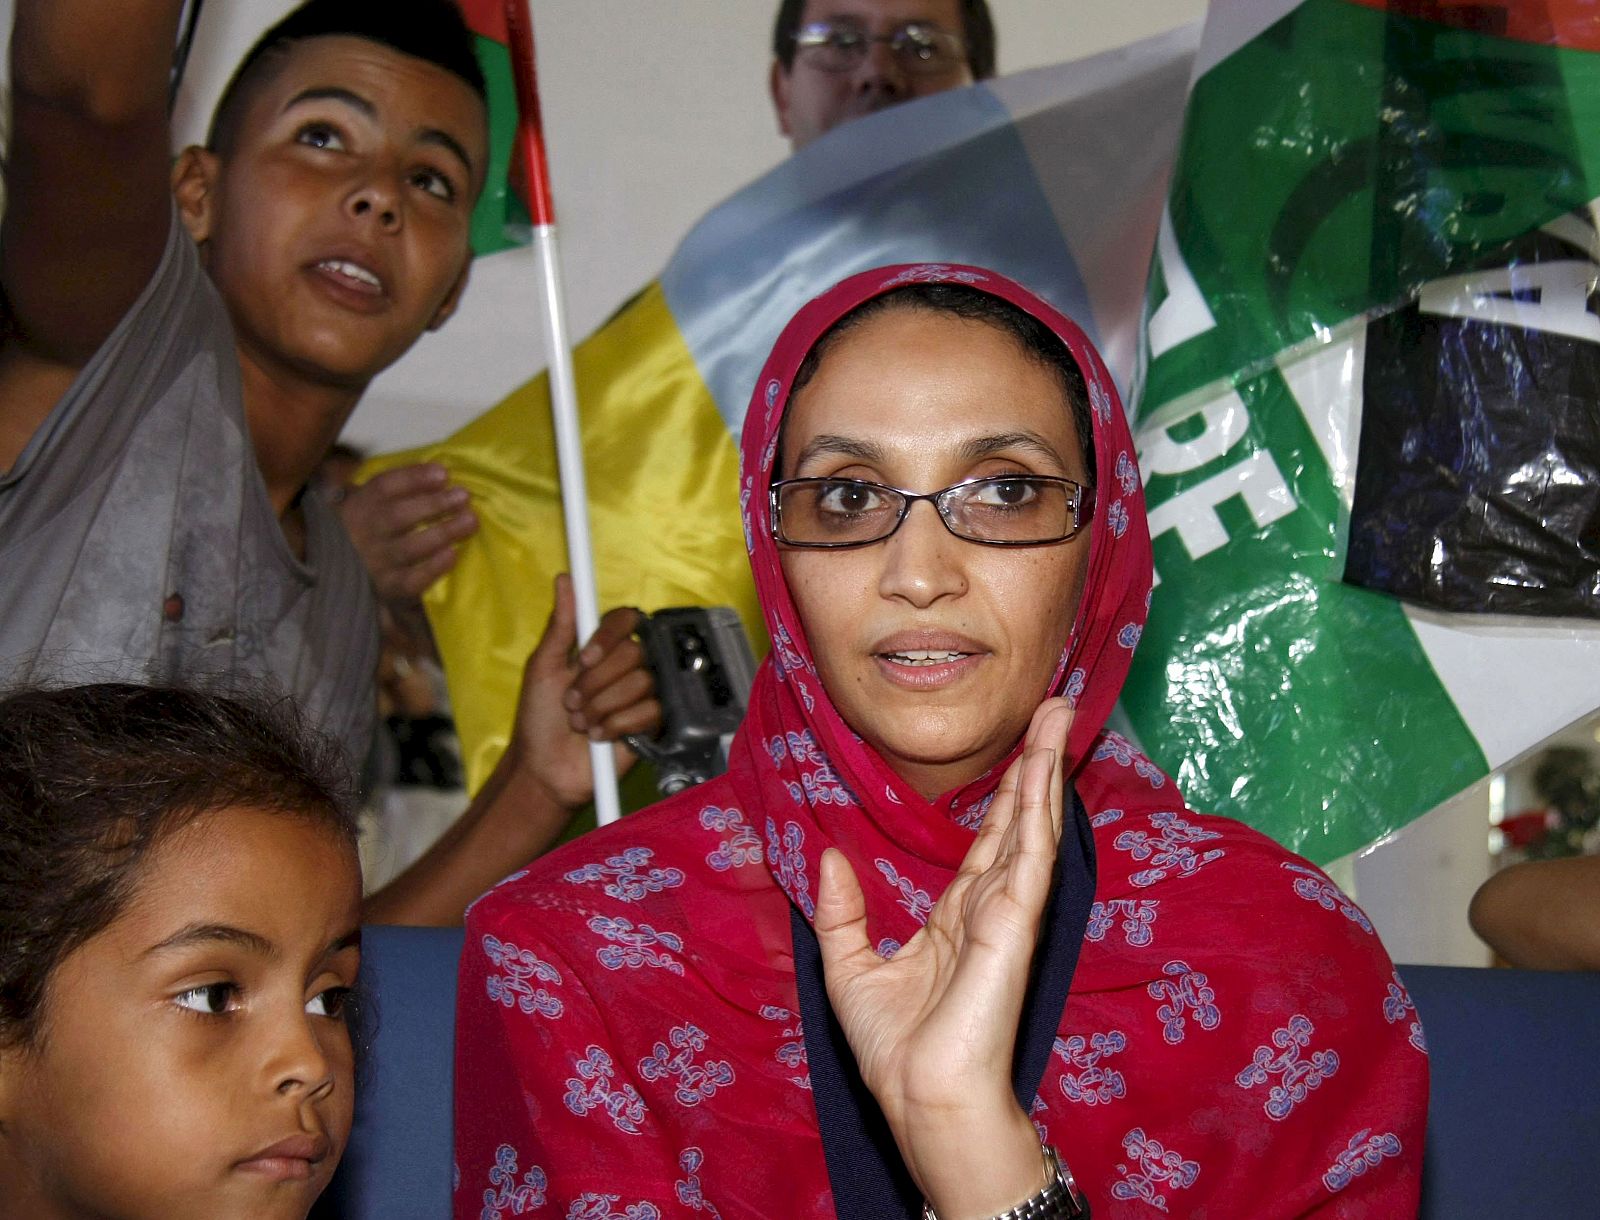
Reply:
x=543 y=778
x=86 y=188
x=1542 y=915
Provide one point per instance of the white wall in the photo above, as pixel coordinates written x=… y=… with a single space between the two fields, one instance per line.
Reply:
x=655 y=110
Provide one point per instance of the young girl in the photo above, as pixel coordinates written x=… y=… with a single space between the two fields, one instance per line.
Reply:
x=179 y=937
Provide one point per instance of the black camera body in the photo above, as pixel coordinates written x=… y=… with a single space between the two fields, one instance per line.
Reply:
x=704 y=670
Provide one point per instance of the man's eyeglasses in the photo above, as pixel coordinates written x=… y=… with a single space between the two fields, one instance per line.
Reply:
x=1001 y=510
x=919 y=48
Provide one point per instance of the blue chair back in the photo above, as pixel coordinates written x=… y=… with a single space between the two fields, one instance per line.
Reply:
x=1514 y=1115
x=398 y=1165
x=1513 y=1124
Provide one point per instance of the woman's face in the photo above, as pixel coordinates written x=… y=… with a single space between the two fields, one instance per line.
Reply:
x=920 y=401
x=191 y=1059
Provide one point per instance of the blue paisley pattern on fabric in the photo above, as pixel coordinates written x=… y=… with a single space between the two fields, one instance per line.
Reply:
x=742 y=847
x=1154 y=1170
x=1091 y=1083
x=598 y=1207
x=787 y=858
x=1397 y=1006
x=695 y=1079
x=505 y=1193
x=1170 y=850
x=519 y=986
x=1120 y=750
x=1362 y=1153
x=1314 y=887
x=688 y=1187
x=934 y=273
x=918 y=903
x=1295 y=1077
x=1138 y=919
x=1185 y=993
x=792 y=1051
x=635 y=947
x=591 y=1089
x=622 y=876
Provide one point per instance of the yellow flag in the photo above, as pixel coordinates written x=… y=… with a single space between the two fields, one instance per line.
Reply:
x=663 y=475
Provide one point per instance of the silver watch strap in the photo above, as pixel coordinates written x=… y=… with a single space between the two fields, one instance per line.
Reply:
x=1059 y=1200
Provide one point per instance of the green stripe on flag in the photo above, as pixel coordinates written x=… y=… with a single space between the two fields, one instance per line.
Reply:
x=500 y=220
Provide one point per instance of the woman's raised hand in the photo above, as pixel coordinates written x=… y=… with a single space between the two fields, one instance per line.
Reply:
x=934 y=1028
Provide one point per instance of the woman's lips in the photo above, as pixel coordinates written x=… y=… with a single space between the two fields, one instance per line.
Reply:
x=927 y=661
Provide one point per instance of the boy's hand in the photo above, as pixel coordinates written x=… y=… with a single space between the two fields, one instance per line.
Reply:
x=405 y=524
x=602 y=694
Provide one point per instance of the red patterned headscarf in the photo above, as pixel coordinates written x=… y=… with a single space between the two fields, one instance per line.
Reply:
x=798 y=754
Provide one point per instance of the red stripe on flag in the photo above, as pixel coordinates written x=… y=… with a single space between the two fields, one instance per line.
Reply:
x=530 y=127
x=485 y=17
x=1574 y=24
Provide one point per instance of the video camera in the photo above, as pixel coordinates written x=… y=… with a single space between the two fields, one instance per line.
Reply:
x=703 y=669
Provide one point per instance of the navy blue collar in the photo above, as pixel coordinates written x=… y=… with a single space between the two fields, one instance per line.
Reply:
x=864 y=1168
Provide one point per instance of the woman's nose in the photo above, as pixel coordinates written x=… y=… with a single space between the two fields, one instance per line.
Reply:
x=922 y=560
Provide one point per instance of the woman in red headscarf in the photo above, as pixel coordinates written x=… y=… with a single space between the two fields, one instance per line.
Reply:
x=930 y=940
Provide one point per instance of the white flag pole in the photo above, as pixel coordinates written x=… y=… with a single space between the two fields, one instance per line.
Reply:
x=563 y=386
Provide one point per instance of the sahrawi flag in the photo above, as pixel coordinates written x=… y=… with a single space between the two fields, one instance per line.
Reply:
x=1055 y=177
x=1374 y=375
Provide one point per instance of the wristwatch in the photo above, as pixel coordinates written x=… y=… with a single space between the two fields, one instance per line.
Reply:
x=1059 y=1200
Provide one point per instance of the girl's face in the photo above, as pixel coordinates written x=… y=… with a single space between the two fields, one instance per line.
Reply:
x=191 y=1059
x=934 y=649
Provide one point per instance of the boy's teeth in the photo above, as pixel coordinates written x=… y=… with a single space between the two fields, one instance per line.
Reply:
x=352 y=271
x=923 y=657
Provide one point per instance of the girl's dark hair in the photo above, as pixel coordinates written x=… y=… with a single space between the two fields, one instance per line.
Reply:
x=430 y=30
x=93 y=777
x=959 y=300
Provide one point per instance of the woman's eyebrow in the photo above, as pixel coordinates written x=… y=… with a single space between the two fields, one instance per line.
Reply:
x=986 y=446
x=826 y=444
x=214 y=933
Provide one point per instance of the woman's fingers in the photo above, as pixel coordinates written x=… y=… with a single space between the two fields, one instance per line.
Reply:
x=1048 y=729
x=841 y=923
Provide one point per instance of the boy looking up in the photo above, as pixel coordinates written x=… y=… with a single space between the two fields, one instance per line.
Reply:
x=183 y=341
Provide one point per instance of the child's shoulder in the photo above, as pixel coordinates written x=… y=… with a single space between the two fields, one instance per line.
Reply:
x=647 y=863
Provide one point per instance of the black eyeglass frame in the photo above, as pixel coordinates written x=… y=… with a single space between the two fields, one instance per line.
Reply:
x=1082 y=509
x=909 y=29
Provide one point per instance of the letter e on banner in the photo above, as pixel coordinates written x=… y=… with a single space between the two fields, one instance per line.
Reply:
x=1193 y=513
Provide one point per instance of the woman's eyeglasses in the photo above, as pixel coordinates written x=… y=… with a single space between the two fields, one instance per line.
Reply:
x=1001 y=510
x=919 y=48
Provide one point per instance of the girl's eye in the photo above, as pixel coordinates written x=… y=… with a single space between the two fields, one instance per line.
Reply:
x=320 y=135
x=435 y=184
x=329 y=1003
x=210 y=998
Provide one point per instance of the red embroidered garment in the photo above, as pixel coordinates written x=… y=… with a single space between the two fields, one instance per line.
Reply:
x=1235 y=1043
